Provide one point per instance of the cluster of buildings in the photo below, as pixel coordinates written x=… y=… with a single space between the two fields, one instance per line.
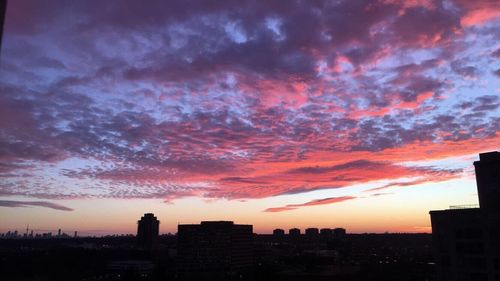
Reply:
x=221 y=249
x=30 y=234
x=311 y=233
x=215 y=249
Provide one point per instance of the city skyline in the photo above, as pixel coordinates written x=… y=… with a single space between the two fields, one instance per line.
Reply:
x=60 y=233
x=356 y=114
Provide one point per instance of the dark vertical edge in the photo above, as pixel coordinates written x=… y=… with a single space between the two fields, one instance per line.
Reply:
x=3 y=9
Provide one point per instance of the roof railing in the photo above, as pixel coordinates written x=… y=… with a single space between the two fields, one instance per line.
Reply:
x=467 y=206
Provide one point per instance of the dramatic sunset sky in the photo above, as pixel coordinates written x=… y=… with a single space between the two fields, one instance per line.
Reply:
x=355 y=114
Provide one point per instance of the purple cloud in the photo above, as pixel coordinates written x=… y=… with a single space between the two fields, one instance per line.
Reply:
x=246 y=100
x=17 y=204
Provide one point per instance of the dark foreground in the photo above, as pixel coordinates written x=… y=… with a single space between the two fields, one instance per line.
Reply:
x=361 y=257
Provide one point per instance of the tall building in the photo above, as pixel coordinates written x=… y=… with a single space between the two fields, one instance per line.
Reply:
x=488 y=181
x=148 y=228
x=466 y=239
x=214 y=249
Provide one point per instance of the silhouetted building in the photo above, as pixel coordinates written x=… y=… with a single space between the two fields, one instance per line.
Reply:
x=294 y=232
x=467 y=240
x=339 y=233
x=312 y=232
x=312 y=235
x=294 y=235
x=326 y=233
x=279 y=233
x=147 y=231
x=214 y=249
x=488 y=181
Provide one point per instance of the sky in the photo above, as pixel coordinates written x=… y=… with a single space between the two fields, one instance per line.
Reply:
x=356 y=114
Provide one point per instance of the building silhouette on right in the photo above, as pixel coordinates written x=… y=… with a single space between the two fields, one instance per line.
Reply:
x=467 y=240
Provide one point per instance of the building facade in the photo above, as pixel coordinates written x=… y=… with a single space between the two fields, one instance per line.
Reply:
x=214 y=249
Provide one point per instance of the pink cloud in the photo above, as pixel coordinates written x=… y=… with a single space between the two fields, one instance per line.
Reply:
x=479 y=12
x=344 y=94
x=324 y=201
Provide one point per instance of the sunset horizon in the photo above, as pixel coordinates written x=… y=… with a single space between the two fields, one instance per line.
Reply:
x=363 y=115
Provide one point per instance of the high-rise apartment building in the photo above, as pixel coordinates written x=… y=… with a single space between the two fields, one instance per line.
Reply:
x=467 y=240
x=148 y=228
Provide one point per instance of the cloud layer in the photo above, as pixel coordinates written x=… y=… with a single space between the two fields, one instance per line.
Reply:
x=324 y=201
x=219 y=99
x=17 y=204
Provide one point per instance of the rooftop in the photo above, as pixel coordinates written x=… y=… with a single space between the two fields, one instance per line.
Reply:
x=489 y=156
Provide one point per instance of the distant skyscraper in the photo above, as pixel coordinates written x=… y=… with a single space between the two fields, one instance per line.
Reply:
x=147 y=231
x=214 y=249
x=467 y=240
